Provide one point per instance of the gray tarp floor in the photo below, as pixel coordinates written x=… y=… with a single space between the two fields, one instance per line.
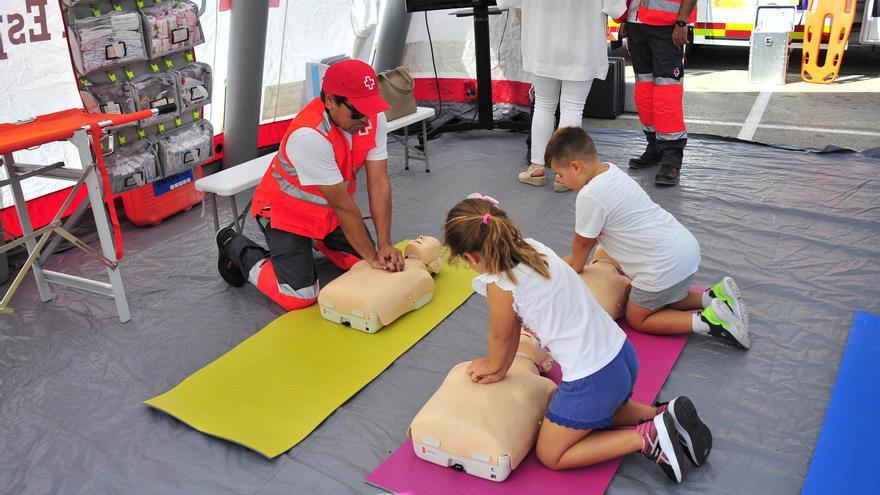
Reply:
x=799 y=231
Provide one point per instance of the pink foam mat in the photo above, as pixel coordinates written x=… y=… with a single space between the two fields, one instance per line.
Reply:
x=404 y=473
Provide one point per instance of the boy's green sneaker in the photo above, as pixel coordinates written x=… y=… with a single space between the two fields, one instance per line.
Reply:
x=727 y=291
x=725 y=325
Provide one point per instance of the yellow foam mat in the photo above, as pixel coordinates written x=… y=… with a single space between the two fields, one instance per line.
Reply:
x=269 y=392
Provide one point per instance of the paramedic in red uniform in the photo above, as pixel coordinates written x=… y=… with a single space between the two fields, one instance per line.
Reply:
x=657 y=31
x=306 y=197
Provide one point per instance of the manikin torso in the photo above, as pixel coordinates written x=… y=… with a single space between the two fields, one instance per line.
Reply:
x=472 y=421
x=368 y=299
x=610 y=288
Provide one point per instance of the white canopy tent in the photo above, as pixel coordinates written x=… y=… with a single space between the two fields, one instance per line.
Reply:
x=36 y=75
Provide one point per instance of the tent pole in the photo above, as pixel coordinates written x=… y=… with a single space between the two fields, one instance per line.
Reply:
x=392 y=35
x=247 y=46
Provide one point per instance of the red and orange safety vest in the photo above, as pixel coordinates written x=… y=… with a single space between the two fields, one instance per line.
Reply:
x=300 y=209
x=660 y=12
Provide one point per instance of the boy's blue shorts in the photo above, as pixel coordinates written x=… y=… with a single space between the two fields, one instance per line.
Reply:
x=590 y=403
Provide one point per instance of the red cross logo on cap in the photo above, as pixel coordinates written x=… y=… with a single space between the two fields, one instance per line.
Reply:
x=369 y=82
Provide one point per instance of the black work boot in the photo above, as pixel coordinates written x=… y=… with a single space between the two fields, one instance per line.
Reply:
x=228 y=271
x=650 y=157
x=671 y=155
x=668 y=175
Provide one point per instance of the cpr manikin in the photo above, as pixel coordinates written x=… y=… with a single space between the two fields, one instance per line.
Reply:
x=486 y=430
x=368 y=299
x=603 y=277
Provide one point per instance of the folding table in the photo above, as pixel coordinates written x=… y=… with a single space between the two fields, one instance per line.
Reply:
x=83 y=130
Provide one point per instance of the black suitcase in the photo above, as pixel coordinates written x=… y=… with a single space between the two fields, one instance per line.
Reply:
x=606 y=99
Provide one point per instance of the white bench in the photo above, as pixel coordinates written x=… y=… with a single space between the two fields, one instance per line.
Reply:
x=422 y=115
x=234 y=180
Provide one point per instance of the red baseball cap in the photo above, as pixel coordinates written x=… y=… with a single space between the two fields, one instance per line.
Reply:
x=357 y=82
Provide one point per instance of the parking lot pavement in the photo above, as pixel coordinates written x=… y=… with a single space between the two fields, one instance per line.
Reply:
x=720 y=100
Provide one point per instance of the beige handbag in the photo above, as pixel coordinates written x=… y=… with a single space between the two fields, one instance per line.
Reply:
x=396 y=87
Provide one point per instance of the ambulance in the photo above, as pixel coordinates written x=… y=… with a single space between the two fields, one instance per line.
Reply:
x=730 y=22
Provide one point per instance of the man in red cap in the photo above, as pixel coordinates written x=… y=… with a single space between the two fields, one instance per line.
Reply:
x=306 y=198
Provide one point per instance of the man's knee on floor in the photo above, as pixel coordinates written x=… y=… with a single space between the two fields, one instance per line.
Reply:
x=296 y=278
x=298 y=291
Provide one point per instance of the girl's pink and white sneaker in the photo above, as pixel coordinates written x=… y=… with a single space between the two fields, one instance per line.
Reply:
x=660 y=444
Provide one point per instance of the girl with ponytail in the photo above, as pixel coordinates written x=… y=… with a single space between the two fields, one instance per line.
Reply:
x=526 y=284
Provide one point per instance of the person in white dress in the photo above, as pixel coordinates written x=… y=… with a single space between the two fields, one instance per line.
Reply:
x=564 y=49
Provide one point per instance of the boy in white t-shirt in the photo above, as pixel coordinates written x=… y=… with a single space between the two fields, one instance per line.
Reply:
x=656 y=251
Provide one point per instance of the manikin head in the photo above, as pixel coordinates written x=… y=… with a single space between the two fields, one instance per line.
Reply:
x=530 y=346
x=427 y=250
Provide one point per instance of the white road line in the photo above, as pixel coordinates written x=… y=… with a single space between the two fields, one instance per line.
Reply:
x=819 y=129
x=768 y=126
x=754 y=118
